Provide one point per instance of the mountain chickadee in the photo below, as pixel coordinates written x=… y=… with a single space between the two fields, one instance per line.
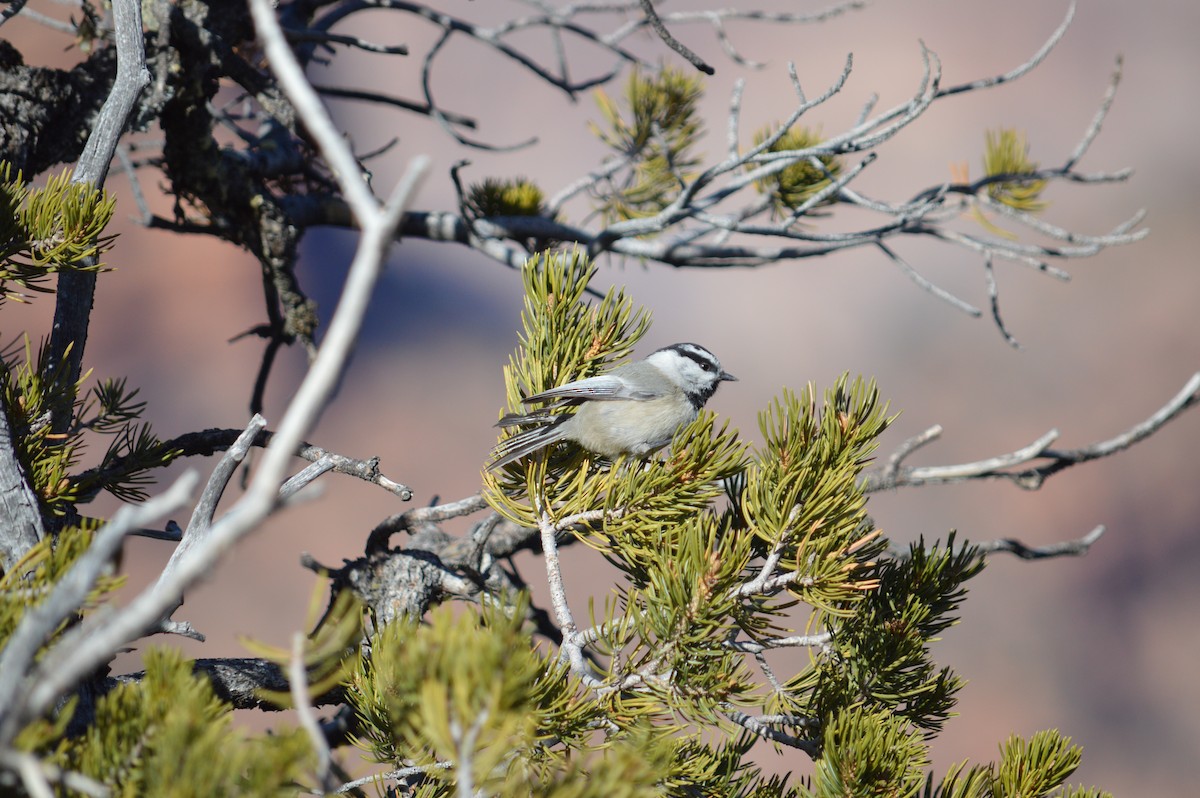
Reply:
x=633 y=409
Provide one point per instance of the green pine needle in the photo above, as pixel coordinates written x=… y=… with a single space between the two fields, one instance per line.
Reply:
x=655 y=128
x=57 y=227
x=1007 y=153
x=793 y=186
x=514 y=197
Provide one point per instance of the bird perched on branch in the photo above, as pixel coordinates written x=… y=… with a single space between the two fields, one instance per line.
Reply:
x=634 y=409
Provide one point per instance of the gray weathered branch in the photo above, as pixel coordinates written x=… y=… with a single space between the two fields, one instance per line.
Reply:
x=1021 y=467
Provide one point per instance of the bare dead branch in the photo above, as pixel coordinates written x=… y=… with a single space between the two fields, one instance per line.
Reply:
x=210 y=441
x=1023 y=69
x=23 y=526
x=202 y=515
x=73 y=305
x=1007 y=466
x=238 y=681
x=375 y=97
x=325 y=37
x=572 y=643
x=1069 y=548
x=656 y=24
x=994 y=299
x=768 y=730
x=795 y=641
x=412 y=519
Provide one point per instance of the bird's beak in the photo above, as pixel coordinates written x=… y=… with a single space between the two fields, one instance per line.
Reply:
x=726 y=376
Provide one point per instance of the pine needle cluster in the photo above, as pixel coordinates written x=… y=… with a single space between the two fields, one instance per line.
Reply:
x=1005 y=159
x=1007 y=154
x=512 y=197
x=654 y=129
x=163 y=734
x=110 y=411
x=168 y=734
x=798 y=182
x=29 y=582
x=44 y=231
x=57 y=227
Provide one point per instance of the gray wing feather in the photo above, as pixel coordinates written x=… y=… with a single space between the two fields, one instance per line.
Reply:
x=605 y=387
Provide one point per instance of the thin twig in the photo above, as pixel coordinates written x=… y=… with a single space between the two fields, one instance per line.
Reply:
x=1024 y=68
x=795 y=641
x=572 y=648
x=926 y=285
x=1098 y=120
x=407 y=105
x=210 y=441
x=989 y=466
x=298 y=685
x=905 y=449
x=764 y=729
x=994 y=297
x=402 y=773
x=661 y=31
x=326 y=37
x=202 y=516
x=1005 y=466
x=1069 y=548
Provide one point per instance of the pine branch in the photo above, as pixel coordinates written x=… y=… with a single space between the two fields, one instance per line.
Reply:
x=73 y=308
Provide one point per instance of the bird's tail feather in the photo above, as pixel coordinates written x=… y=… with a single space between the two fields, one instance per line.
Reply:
x=512 y=449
